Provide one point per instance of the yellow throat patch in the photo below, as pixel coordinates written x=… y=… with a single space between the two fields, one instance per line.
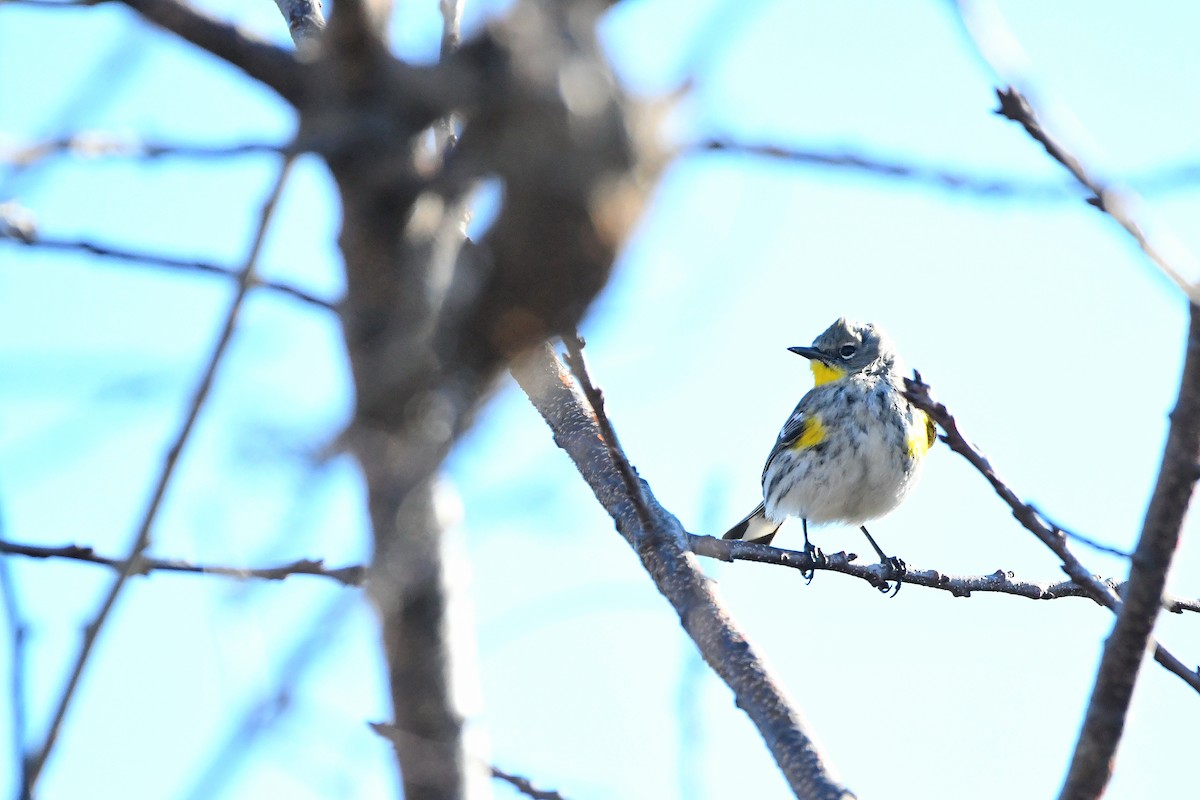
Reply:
x=824 y=373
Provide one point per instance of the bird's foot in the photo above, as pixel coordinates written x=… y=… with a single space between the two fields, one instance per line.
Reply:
x=818 y=559
x=894 y=569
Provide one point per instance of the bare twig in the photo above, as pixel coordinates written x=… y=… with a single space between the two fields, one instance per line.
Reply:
x=525 y=786
x=918 y=394
x=1091 y=766
x=33 y=239
x=662 y=549
x=907 y=170
x=272 y=66
x=18 y=631
x=999 y=582
x=101 y=145
x=1016 y=107
x=132 y=562
x=595 y=398
x=352 y=575
x=989 y=42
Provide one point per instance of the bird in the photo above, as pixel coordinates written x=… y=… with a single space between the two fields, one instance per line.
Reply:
x=851 y=450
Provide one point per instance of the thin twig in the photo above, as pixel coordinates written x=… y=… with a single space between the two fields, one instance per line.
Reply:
x=32 y=239
x=100 y=145
x=575 y=360
x=999 y=582
x=906 y=170
x=352 y=575
x=18 y=631
x=1087 y=541
x=525 y=786
x=132 y=562
x=1016 y=107
x=918 y=394
x=1015 y=104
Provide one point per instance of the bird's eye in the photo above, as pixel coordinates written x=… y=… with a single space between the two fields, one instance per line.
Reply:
x=848 y=351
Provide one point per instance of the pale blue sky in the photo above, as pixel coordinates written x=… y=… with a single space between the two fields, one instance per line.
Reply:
x=1038 y=322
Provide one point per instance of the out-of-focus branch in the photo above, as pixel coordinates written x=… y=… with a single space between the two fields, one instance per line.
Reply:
x=131 y=562
x=352 y=575
x=18 y=632
x=1091 y=765
x=305 y=22
x=998 y=582
x=918 y=393
x=31 y=238
x=101 y=145
x=525 y=786
x=662 y=547
x=270 y=65
x=905 y=170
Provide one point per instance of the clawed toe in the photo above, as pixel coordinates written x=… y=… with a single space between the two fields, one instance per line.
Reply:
x=894 y=570
x=817 y=557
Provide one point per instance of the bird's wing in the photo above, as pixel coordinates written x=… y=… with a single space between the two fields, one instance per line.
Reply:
x=795 y=428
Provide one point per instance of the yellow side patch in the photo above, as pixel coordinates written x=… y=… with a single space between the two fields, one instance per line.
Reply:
x=812 y=433
x=918 y=444
x=824 y=373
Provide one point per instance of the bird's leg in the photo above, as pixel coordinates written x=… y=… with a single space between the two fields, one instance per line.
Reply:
x=814 y=554
x=896 y=566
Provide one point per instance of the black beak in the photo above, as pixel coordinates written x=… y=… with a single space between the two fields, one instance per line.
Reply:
x=811 y=353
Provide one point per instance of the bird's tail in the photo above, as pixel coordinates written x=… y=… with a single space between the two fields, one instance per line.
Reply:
x=754 y=528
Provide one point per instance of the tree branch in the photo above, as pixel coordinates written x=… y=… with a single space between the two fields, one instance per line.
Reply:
x=525 y=786
x=662 y=547
x=1091 y=765
x=1016 y=106
x=352 y=575
x=270 y=65
x=998 y=582
x=305 y=23
x=901 y=170
x=97 y=144
x=130 y=564
x=30 y=238
x=918 y=394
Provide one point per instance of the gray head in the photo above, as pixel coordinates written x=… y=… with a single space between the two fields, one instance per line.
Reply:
x=848 y=347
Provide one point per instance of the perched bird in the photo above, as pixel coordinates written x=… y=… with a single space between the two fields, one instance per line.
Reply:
x=851 y=450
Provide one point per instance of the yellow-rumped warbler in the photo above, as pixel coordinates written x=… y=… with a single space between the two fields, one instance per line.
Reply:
x=851 y=450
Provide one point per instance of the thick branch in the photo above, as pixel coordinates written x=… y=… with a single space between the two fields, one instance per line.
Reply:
x=662 y=547
x=1096 y=749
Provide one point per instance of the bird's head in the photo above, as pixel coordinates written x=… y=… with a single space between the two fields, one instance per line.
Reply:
x=847 y=348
